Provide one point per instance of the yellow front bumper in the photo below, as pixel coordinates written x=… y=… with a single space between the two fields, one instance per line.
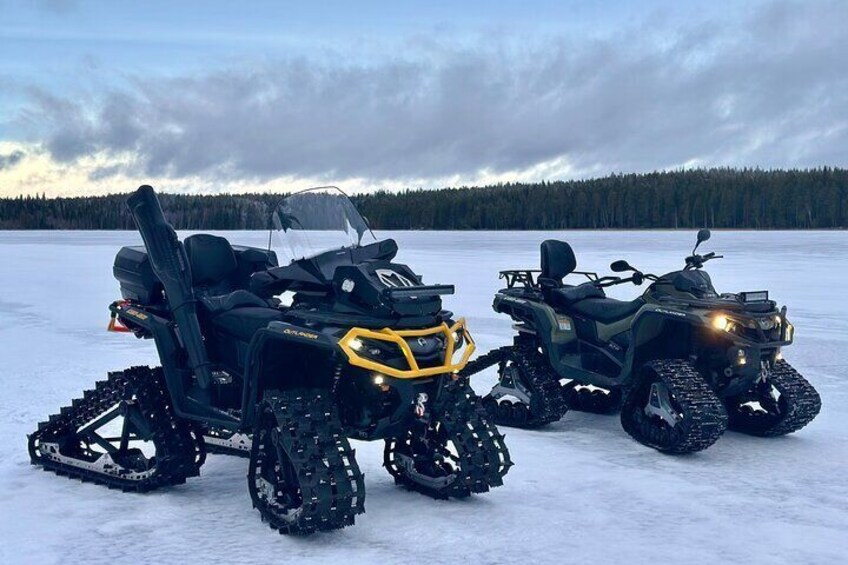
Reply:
x=398 y=338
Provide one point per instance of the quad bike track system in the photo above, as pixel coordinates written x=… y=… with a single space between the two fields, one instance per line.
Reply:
x=366 y=351
x=702 y=362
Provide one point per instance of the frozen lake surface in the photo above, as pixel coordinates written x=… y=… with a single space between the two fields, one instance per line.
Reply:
x=581 y=490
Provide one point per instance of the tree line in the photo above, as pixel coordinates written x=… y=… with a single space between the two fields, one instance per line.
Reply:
x=718 y=198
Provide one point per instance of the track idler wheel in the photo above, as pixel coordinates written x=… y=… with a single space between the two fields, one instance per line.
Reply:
x=528 y=393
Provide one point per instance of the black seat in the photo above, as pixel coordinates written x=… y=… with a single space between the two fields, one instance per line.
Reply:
x=565 y=297
x=606 y=310
x=230 y=315
x=557 y=260
x=586 y=299
x=245 y=321
x=214 y=269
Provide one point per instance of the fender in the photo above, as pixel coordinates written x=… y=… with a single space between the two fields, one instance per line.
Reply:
x=651 y=320
x=550 y=329
x=543 y=317
x=284 y=343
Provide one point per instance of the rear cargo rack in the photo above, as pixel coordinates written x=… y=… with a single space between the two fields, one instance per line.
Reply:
x=525 y=277
x=529 y=278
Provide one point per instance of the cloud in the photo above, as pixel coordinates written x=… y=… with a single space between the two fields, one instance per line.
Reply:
x=10 y=160
x=771 y=90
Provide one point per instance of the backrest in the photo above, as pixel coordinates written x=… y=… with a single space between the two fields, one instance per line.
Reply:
x=557 y=259
x=212 y=260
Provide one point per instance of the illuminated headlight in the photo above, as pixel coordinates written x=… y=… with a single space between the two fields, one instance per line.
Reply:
x=778 y=356
x=741 y=359
x=457 y=339
x=379 y=380
x=356 y=344
x=721 y=323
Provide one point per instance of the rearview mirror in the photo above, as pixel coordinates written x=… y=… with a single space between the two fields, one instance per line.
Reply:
x=620 y=266
x=703 y=235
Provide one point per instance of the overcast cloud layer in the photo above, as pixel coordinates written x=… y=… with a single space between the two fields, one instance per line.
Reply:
x=770 y=91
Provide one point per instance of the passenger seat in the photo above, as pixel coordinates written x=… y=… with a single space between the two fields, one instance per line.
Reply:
x=213 y=271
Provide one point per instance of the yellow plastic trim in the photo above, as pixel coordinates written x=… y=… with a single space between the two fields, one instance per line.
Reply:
x=397 y=337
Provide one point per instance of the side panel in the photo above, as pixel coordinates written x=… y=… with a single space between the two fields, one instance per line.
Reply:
x=554 y=327
x=284 y=356
x=556 y=332
x=660 y=332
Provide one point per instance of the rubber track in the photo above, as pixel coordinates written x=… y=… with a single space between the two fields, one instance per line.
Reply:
x=483 y=457
x=804 y=403
x=485 y=361
x=179 y=450
x=547 y=403
x=704 y=421
x=310 y=433
x=483 y=454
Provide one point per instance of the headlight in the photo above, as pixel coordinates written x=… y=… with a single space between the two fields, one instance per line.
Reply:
x=721 y=323
x=457 y=340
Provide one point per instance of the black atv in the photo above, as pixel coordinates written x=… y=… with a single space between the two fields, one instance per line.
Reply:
x=681 y=363
x=356 y=347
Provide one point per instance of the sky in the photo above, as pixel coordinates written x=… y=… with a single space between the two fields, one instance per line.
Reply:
x=204 y=97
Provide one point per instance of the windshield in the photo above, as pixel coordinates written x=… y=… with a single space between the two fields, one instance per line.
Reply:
x=316 y=220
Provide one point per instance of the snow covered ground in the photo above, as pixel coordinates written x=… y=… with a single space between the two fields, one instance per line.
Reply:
x=581 y=490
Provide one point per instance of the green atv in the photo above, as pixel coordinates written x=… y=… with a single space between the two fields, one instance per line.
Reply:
x=682 y=362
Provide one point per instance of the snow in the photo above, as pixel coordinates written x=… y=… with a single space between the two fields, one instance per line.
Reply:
x=581 y=490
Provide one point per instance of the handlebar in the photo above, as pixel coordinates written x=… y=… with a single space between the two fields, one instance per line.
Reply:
x=697 y=261
x=636 y=278
x=607 y=281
